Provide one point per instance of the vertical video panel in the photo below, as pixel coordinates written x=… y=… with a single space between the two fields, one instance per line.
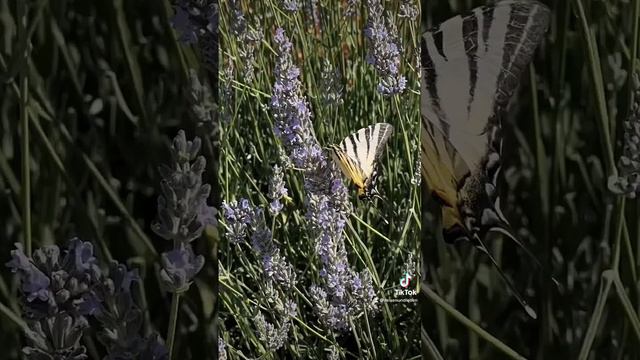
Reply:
x=108 y=129
x=320 y=174
x=472 y=65
x=529 y=154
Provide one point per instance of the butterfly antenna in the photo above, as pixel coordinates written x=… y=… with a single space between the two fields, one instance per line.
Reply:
x=528 y=309
x=537 y=262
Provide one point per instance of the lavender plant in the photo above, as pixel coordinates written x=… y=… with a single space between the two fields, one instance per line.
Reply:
x=197 y=23
x=121 y=73
x=246 y=221
x=61 y=291
x=226 y=93
x=248 y=37
x=290 y=5
x=183 y=214
x=277 y=190
x=628 y=182
x=201 y=103
x=331 y=84
x=384 y=49
x=222 y=352
x=275 y=270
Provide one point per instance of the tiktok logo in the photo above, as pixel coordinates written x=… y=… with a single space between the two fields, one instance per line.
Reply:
x=404 y=281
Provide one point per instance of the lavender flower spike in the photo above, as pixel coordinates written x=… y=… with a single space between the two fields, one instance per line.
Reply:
x=384 y=49
x=628 y=183
x=243 y=220
x=291 y=110
x=197 y=22
x=277 y=190
x=183 y=212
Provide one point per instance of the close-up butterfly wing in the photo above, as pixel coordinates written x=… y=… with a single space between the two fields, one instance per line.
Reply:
x=471 y=67
x=358 y=153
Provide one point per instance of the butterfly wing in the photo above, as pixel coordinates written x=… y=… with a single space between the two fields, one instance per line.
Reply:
x=349 y=168
x=358 y=153
x=471 y=67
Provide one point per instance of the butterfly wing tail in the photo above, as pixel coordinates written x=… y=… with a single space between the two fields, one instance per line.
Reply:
x=508 y=233
x=528 y=309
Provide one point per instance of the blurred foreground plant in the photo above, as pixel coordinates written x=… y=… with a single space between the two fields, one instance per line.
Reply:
x=62 y=289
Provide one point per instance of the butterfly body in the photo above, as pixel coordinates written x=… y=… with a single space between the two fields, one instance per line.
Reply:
x=357 y=156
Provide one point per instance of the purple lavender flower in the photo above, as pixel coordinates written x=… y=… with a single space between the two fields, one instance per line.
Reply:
x=222 y=353
x=239 y=23
x=183 y=212
x=56 y=337
x=244 y=220
x=271 y=335
x=121 y=318
x=248 y=40
x=35 y=284
x=179 y=266
x=52 y=283
x=277 y=190
x=290 y=5
x=227 y=98
x=384 y=49
x=62 y=288
x=291 y=110
x=201 y=103
x=331 y=85
x=182 y=209
x=238 y=216
x=628 y=182
x=332 y=314
x=54 y=289
x=408 y=9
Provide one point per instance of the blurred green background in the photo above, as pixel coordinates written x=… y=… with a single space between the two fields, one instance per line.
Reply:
x=105 y=87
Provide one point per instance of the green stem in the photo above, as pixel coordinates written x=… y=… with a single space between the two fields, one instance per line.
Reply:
x=173 y=319
x=429 y=347
x=24 y=123
x=594 y=323
x=595 y=70
x=470 y=324
x=12 y=316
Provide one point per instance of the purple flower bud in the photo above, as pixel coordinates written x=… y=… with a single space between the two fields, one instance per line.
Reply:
x=179 y=267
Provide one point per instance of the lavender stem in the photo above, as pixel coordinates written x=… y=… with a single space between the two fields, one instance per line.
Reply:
x=173 y=319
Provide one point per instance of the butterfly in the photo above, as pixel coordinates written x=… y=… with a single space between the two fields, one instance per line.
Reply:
x=358 y=154
x=471 y=66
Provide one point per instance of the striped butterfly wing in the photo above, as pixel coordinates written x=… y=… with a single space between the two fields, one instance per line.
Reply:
x=358 y=154
x=471 y=67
